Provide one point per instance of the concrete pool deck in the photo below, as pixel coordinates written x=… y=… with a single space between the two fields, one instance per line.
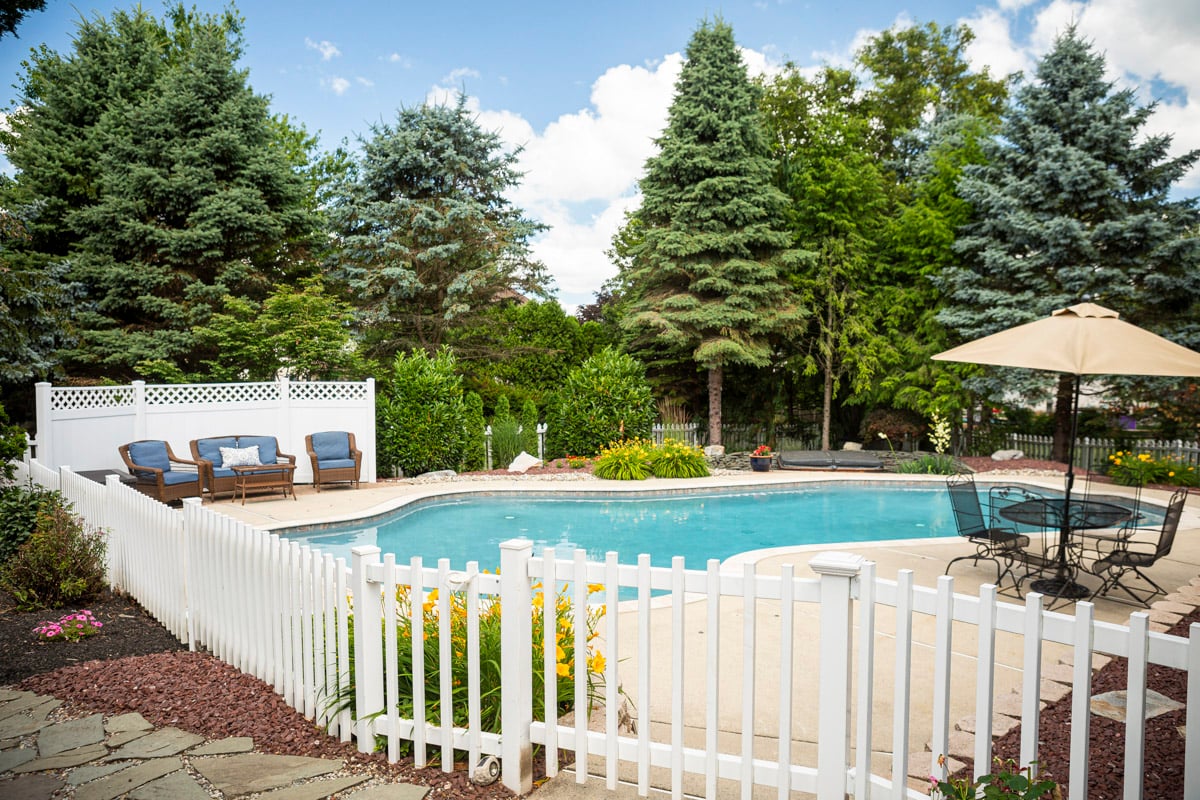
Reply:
x=926 y=558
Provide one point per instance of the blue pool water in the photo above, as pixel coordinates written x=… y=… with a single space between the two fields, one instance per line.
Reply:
x=698 y=526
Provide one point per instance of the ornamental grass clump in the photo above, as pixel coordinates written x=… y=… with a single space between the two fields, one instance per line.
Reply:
x=675 y=459
x=69 y=627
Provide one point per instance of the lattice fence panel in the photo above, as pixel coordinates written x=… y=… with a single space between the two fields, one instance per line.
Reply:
x=76 y=398
x=327 y=390
x=210 y=393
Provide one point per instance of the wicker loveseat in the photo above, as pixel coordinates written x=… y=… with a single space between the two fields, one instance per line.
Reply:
x=219 y=479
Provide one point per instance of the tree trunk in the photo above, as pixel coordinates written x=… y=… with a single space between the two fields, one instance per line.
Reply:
x=827 y=409
x=716 y=379
x=1062 y=418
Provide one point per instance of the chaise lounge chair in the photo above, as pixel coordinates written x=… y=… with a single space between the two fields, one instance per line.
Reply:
x=854 y=460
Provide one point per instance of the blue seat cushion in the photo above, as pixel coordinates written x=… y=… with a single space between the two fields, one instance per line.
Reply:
x=268 y=452
x=336 y=463
x=173 y=478
x=150 y=454
x=331 y=446
x=210 y=449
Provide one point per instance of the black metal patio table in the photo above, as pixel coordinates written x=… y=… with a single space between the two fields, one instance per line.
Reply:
x=1082 y=514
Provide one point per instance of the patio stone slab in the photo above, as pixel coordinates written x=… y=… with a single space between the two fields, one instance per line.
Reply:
x=125 y=781
x=256 y=772
x=12 y=694
x=16 y=757
x=1010 y=704
x=122 y=723
x=85 y=774
x=160 y=743
x=71 y=758
x=71 y=735
x=19 y=725
x=1165 y=617
x=918 y=765
x=314 y=790
x=1052 y=691
x=1001 y=724
x=30 y=787
x=122 y=738
x=1173 y=608
x=1061 y=673
x=224 y=747
x=1113 y=704
x=390 y=791
x=36 y=705
x=177 y=786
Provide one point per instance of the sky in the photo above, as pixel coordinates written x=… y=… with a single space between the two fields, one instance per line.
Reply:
x=583 y=88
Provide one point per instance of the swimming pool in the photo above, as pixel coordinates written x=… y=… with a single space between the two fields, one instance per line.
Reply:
x=697 y=525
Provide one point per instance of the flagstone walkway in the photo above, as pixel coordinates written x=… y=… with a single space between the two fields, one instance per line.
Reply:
x=102 y=758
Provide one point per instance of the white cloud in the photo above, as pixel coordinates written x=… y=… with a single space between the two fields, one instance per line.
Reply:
x=367 y=82
x=994 y=47
x=338 y=85
x=326 y=48
x=404 y=61
x=457 y=75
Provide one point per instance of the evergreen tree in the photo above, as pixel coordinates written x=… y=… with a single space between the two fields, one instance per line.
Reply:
x=1073 y=205
x=428 y=241
x=13 y=11
x=707 y=273
x=159 y=176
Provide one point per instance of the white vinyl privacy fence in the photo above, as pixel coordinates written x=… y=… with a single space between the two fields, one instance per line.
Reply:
x=82 y=426
x=721 y=667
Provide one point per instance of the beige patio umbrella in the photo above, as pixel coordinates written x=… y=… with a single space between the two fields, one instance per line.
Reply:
x=1083 y=339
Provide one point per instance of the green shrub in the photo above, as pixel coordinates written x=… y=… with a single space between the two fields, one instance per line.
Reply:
x=503 y=409
x=475 y=452
x=1129 y=469
x=624 y=461
x=61 y=564
x=12 y=445
x=605 y=399
x=19 y=509
x=529 y=423
x=674 y=459
x=421 y=415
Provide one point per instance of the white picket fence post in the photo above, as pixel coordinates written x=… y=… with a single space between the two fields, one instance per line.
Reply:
x=368 y=647
x=516 y=674
x=837 y=572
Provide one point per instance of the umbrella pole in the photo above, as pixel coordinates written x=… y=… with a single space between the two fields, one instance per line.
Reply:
x=1063 y=585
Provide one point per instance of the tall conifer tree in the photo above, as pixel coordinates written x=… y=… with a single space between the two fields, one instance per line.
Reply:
x=1073 y=205
x=707 y=275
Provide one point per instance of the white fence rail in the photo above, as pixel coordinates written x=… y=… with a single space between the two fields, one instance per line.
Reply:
x=720 y=667
x=1092 y=453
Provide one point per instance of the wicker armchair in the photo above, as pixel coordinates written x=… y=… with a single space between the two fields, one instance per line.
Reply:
x=335 y=458
x=152 y=464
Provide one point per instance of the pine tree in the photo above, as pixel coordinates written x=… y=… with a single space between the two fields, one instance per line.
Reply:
x=1073 y=205
x=707 y=275
x=428 y=240
x=158 y=175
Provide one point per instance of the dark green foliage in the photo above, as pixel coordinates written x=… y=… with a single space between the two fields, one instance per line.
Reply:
x=895 y=424
x=301 y=330
x=529 y=423
x=161 y=177
x=421 y=416
x=475 y=450
x=506 y=441
x=1072 y=204
x=503 y=409
x=705 y=273
x=19 y=510
x=524 y=350
x=12 y=444
x=60 y=564
x=605 y=399
x=12 y=11
x=34 y=302
x=428 y=238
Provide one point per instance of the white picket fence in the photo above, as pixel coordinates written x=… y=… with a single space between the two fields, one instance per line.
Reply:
x=279 y=611
x=1092 y=453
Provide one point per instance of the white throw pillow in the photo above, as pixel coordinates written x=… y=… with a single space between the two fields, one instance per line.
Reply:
x=240 y=457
